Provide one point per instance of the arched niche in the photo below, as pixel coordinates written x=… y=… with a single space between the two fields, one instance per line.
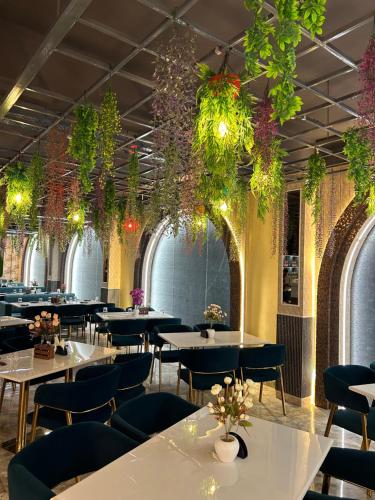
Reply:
x=35 y=263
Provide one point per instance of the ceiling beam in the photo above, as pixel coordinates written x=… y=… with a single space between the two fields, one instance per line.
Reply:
x=62 y=26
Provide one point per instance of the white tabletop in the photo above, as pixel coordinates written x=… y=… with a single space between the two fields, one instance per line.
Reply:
x=180 y=464
x=44 y=303
x=189 y=340
x=21 y=366
x=113 y=316
x=6 y=321
x=367 y=390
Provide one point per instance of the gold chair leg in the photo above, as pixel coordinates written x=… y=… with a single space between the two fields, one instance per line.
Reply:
x=330 y=419
x=326 y=484
x=113 y=405
x=152 y=367
x=365 y=445
x=160 y=369
x=178 y=379
x=260 y=392
x=69 y=419
x=34 y=422
x=190 y=387
x=282 y=390
x=3 y=385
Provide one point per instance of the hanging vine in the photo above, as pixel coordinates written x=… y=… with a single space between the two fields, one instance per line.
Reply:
x=133 y=208
x=37 y=180
x=18 y=194
x=75 y=212
x=83 y=143
x=108 y=127
x=316 y=172
x=120 y=217
x=366 y=102
x=104 y=212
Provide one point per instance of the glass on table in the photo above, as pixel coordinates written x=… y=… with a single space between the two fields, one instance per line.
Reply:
x=40 y=299
x=105 y=309
x=19 y=299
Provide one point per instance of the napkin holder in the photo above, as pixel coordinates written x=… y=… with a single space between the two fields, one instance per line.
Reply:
x=143 y=311
x=61 y=351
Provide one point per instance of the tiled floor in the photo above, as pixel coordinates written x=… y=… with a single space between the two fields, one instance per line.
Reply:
x=310 y=419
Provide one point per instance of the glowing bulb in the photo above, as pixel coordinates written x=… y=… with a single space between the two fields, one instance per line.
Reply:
x=76 y=217
x=223 y=207
x=130 y=225
x=18 y=198
x=223 y=129
x=200 y=223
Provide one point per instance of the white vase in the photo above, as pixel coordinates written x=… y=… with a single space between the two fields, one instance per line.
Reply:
x=226 y=450
x=211 y=333
x=136 y=312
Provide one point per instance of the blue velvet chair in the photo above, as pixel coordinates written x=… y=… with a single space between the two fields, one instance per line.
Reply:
x=263 y=364
x=127 y=332
x=151 y=323
x=354 y=466
x=89 y=398
x=170 y=355
x=141 y=417
x=206 y=367
x=372 y=366
x=101 y=327
x=62 y=455
x=219 y=327
x=73 y=316
x=135 y=368
x=357 y=416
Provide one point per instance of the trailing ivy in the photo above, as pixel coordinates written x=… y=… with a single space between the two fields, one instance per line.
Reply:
x=18 y=193
x=109 y=126
x=313 y=15
x=316 y=171
x=361 y=157
x=75 y=215
x=83 y=143
x=133 y=209
x=37 y=180
x=120 y=217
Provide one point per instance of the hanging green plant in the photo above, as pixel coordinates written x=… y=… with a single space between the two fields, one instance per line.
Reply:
x=133 y=209
x=109 y=126
x=120 y=217
x=18 y=193
x=361 y=157
x=83 y=143
x=276 y=47
x=267 y=184
x=38 y=182
x=316 y=172
x=75 y=211
x=223 y=131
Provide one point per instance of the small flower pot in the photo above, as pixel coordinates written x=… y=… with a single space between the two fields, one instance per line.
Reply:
x=226 y=448
x=211 y=333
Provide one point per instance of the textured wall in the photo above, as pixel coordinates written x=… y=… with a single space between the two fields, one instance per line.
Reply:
x=87 y=271
x=185 y=280
x=37 y=266
x=362 y=305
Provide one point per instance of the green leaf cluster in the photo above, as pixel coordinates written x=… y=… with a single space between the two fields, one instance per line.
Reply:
x=18 y=194
x=37 y=179
x=361 y=157
x=109 y=126
x=83 y=144
x=313 y=15
x=120 y=217
x=75 y=215
x=316 y=172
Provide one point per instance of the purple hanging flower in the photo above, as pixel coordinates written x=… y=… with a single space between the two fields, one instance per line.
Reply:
x=137 y=295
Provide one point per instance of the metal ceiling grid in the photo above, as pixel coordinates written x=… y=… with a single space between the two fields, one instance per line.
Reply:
x=39 y=118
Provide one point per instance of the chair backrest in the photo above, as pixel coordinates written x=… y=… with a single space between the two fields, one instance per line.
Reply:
x=151 y=323
x=31 y=312
x=168 y=328
x=135 y=369
x=140 y=417
x=219 y=327
x=62 y=455
x=114 y=309
x=71 y=311
x=337 y=380
x=20 y=343
x=213 y=360
x=127 y=326
x=268 y=356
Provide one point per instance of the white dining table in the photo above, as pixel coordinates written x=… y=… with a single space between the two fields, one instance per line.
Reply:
x=46 y=303
x=180 y=463
x=121 y=315
x=194 y=340
x=9 y=321
x=367 y=390
x=21 y=367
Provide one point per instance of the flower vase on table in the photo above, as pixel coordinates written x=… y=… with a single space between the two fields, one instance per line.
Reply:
x=137 y=295
x=213 y=314
x=230 y=409
x=46 y=327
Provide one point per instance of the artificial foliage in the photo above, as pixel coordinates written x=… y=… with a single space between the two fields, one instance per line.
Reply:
x=366 y=102
x=361 y=157
x=104 y=211
x=120 y=217
x=54 y=226
x=18 y=193
x=273 y=48
x=38 y=184
x=75 y=211
x=133 y=208
x=109 y=127
x=83 y=143
x=153 y=211
x=316 y=172
x=223 y=132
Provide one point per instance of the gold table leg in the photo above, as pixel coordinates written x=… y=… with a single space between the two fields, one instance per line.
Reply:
x=22 y=412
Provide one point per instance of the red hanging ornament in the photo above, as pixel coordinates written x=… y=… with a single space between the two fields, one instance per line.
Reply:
x=232 y=78
x=131 y=225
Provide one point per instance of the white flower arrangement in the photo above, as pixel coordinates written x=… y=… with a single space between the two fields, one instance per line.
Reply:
x=214 y=313
x=232 y=403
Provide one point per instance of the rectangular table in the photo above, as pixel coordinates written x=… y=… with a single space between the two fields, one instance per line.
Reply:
x=9 y=321
x=367 y=390
x=193 y=340
x=180 y=464
x=21 y=367
x=115 y=316
x=44 y=303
